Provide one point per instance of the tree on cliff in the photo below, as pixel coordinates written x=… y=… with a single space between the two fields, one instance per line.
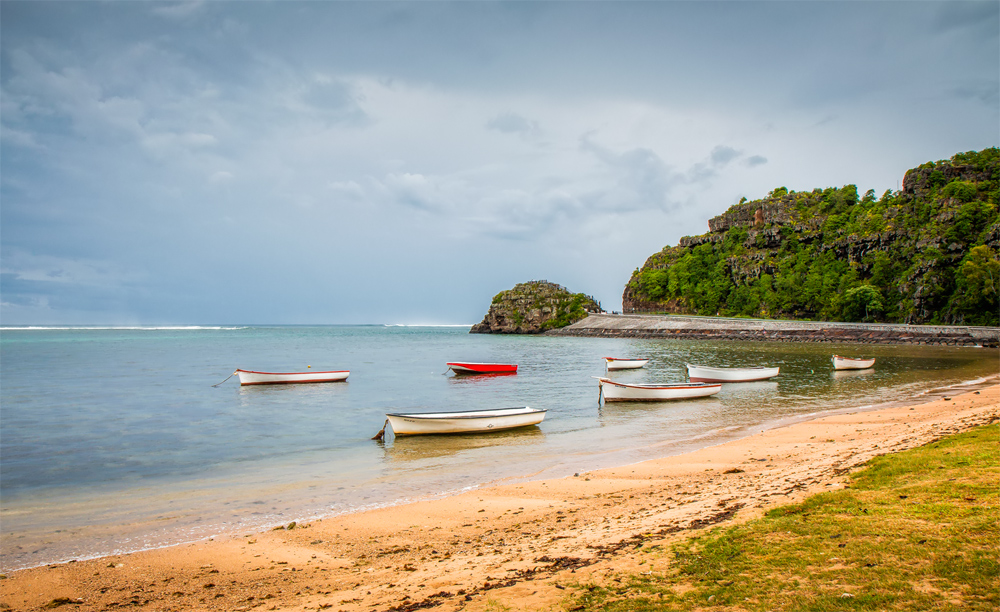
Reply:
x=977 y=284
x=862 y=303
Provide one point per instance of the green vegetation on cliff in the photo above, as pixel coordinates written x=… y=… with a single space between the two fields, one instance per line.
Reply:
x=926 y=254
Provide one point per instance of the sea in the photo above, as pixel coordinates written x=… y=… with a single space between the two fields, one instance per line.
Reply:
x=115 y=440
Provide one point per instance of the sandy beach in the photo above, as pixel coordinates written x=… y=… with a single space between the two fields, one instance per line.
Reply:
x=519 y=545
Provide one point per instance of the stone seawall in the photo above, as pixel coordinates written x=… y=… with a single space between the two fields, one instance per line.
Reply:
x=703 y=328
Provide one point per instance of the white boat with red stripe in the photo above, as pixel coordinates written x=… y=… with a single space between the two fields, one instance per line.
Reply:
x=708 y=374
x=624 y=363
x=250 y=377
x=614 y=391
x=851 y=363
x=471 y=367
x=467 y=421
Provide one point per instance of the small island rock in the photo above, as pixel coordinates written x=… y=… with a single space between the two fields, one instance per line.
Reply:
x=534 y=307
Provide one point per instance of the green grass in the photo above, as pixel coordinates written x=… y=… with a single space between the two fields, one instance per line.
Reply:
x=918 y=530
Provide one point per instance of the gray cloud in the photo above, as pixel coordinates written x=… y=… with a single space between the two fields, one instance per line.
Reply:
x=722 y=155
x=178 y=10
x=512 y=123
x=987 y=92
x=979 y=17
x=639 y=179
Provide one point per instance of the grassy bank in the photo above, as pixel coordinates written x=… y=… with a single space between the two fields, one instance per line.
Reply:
x=917 y=530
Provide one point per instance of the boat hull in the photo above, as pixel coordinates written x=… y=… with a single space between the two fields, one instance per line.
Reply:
x=250 y=377
x=462 y=367
x=847 y=363
x=613 y=363
x=614 y=391
x=731 y=375
x=475 y=421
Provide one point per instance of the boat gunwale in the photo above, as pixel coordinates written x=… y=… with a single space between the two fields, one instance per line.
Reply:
x=293 y=373
x=468 y=414
x=480 y=363
x=701 y=367
x=654 y=386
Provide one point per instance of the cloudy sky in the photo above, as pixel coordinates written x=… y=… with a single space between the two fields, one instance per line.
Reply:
x=339 y=162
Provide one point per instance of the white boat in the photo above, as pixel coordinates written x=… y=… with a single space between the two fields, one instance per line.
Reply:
x=707 y=374
x=849 y=363
x=250 y=377
x=468 y=421
x=621 y=363
x=614 y=391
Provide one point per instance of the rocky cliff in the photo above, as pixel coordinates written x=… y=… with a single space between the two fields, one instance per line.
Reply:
x=926 y=254
x=534 y=307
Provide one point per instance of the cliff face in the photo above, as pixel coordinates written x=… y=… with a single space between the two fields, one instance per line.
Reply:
x=925 y=254
x=534 y=307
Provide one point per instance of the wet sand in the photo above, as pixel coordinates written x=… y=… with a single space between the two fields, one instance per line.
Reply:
x=518 y=545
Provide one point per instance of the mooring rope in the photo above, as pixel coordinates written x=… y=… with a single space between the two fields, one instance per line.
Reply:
x=227 y=378
x=600 y=389
x=381 y=432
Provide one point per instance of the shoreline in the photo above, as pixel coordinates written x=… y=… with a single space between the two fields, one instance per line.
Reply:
x=506 y=542
x=604 y=325
x=608 y=459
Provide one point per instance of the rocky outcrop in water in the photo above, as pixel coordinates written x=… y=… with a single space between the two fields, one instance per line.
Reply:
x=534 y=307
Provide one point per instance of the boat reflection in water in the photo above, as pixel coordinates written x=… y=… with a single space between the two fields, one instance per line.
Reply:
x=479 y=379
x=266 y=397
x=847 y=374
x=415 y=448
x=614 y=413
x=767 y=387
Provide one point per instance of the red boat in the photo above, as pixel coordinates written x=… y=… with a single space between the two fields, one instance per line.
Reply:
x=464 y=367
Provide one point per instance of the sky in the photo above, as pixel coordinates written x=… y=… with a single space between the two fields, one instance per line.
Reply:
x=196 y=163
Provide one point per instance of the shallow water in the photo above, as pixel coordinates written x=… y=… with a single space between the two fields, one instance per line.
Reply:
x=114 y=440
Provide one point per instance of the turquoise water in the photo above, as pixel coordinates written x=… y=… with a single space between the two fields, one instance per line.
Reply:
x=115 y=440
